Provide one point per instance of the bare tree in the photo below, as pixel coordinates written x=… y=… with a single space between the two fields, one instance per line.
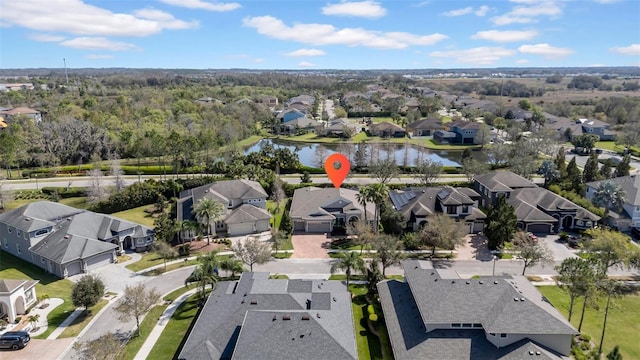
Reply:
x=442 y=231
x=384 y=170
x=389 y=250
x=116 y=172
x=106 y=347
x=165 y=251
x=252 y=251
x=96 y=191
x=427 y=170
x=136 y=301
x=532 y=251
x=277 y=193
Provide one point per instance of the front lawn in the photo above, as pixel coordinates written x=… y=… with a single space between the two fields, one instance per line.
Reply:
x=623 y=325
x=137 y=215
x=82 y=320
x=12 y=267
x=369 y=345
x=150 y=320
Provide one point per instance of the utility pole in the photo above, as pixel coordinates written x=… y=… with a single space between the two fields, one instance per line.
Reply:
x=64 y=61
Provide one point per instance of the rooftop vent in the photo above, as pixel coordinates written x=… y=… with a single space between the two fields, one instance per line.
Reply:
x=274 y=318
x=453 y=281
x=334 y=299
x=318 y=315
x=468 y=282
x=306 y=317
x=521 y=299
x=481 y=282
x=495 y=282
x=537 y=352
x=28 y=219
x=286 y=317
x=254 y=302
x=530 y=352
x=68 y=219
x=516 y=299
x=67 y=236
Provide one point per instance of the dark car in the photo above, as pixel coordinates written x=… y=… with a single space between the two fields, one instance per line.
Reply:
x=14 y=340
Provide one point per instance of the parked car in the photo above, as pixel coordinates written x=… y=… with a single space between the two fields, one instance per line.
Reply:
x=14 y=340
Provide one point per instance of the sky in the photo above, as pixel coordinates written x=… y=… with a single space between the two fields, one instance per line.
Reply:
x=311 y=34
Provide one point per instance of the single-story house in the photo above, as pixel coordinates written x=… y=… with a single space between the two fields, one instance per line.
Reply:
x=435 y=314
x=417 y=204
x=66 y=241
x=16 y=296
x=322 y=210
x=35 y=115
x=387 y=129
x=261 y=318
x=245 y=202
x=300 y=123
x=425 y=127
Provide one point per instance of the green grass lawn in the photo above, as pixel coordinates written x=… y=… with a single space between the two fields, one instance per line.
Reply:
x=149 y=322
x=12 y=267
x=170 y=340
x=172 y=296
x=148 y=259
x=171 y=267
x=76 y=202
x=623 y=325
x=369 y=345
x=136 y=215
x=82 y=320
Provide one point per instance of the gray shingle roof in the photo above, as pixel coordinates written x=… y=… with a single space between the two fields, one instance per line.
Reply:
x=630 y=185
x=309 y=202
x=503 y=181
x=247 y=320
x=429 y=123
x=422 y=201
x=38 y=215
x=246 y=213
x=549 y=201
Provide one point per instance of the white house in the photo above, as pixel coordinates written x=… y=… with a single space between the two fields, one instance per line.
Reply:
x=16 y=296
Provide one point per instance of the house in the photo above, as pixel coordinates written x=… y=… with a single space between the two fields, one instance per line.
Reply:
x=34 y=115
x=270 y=101
x=629 y=216
x=304 y=123
x=340 y=128
x=538 y=210
x=425 y=127
x=323 y=210
x=434 y=314
x=565 y=126
x=417 y=204
x=245 y=202
x=16 y=87
x=289 y=115
x=67 y=241
x=261 y=318
x=207 y=101
x=304 y=99
x=465 y=131
x=16 y=296
x=387 y=129
x=444 y=137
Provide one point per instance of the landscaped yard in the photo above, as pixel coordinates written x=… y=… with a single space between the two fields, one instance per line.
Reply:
x=137 y=215
x=623 y=325
x=13 y=268
x=82 y=320
x=369 y=345
x=149 y=322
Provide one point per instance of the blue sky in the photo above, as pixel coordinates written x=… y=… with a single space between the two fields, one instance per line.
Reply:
x=309 y=34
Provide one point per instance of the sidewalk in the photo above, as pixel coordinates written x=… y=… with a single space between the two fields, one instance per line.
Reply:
x=153 y=337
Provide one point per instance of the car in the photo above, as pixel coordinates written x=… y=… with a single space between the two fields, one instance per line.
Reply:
x=14 y=340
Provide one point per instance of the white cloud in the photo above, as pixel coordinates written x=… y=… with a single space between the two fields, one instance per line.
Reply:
x=366 y=9
x=165 y=19
x=323 y=34
x=422 y=3
x=79 y=18
x=459 y=12
x=482 y=10
x=98 y=56
x=97 y=43
x=529 y=13
x=203 y=5
x=522 y=61
x=306 y=52
x=633 y=49
x=475 y=56
x=46 y=37
x=505 y=36
x=606 y=1
x=546 y=50
x=306 y=64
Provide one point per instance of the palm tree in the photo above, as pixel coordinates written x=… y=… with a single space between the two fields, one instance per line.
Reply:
x=362 y=197
x=33 y=319
x=348 y=261
x=232 y=265
x=190 y=225
x=609 y=194
x=207 y=212
x=377 y=194
x=205 y=273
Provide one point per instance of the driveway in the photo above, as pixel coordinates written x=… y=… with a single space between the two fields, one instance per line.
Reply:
x=558 y=249
x=38 y=349
x=310 y=246
x=475 y=248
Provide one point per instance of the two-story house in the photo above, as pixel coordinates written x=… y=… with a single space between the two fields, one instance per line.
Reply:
x=66 y=241
x=321 y=210
x=417 y=204
x=436 y=314
x=245 y=202
x=629 y=216
x=465 y=131
x=538 y=210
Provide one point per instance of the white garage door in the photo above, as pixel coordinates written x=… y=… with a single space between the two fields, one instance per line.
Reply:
x=99 y=261
x=240 y=229
x=319 y=227
x=74 y=268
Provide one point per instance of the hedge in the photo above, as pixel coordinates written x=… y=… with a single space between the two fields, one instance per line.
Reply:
x=64 y=192
x=577 y=199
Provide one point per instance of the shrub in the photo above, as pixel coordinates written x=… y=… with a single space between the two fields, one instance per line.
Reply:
x=371 y=309
x=184 y=250
x=18 y=318
x=373 y=317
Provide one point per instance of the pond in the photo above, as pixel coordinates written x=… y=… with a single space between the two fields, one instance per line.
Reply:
x=313 y=154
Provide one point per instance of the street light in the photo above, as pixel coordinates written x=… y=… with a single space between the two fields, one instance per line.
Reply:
x=37 y=188
x=494 y=265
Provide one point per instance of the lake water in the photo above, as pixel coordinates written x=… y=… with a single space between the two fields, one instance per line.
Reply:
x=406 y=155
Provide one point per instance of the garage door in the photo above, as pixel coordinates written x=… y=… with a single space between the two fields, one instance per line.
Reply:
x=240 y=229
x=319 y=227
x=298 y=226
x=478 y=226
x=74 y=268
x=98 y=261
x=539 y=228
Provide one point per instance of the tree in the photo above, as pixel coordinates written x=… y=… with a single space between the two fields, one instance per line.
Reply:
x=363 y=232
x=376 y=193
x=205 y=273
x=609 y=194
x=584 y=142
x=33 y=319
x=629 y=135
x=136 y=301
x=609 y=249
x=388 y=249
x=384 y=170
x=208 y=211
x=590 y=172
x=349 y=262
x=483 y=136
x=374 y=276
x=106 y=347
x=531 y=251
x=614 y=354
x=442 y=231
x=305 y=178
x=612 y=289
x=252 y=251
x=575 y=274
x=277 y=193
x=472 y=167
x=605 y=170
x=500 y=224
x=96 y=191
x=498 y=154
x=87 y=291
x=573 y=180
x=561 y=163
x=116 y=172
x=165 y=251
x=549 y=172
x=623 y=167
x=232 y=265
x=426 y=171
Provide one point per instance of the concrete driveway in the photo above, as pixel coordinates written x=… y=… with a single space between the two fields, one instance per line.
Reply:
x=558 y=249
x=38 y=349
x=475 y=248
x=310 y=246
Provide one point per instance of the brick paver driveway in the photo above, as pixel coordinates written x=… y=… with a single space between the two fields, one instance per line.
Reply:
x=38 y=349
x=310 y=246
x=475 y=248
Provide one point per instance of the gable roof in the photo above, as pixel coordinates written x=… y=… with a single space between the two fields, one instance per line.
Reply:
x=303 y=122
x=548 y=201
x=428 y=123
x=464 y=124
x=246 y=329
x=503 y=181
x=38 y=215
x=630 y=185
x=10 y=286
x=386 y=126
x=422 y=201
x=309 y=202
x=246 y=213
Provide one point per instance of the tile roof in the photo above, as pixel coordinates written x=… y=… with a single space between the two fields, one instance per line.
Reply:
x=246 y=329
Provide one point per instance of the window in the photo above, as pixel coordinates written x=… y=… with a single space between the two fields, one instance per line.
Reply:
x=477 y=325
x=451 y=210
x=465 y=209
x=503 y=335
x=466 y=325
x=455 y=325
x=41 y=232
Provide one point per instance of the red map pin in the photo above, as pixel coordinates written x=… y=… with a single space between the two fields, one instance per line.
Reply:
x=337 y=167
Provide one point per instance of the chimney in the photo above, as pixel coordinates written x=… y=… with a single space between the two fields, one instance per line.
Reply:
x=308 y=304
